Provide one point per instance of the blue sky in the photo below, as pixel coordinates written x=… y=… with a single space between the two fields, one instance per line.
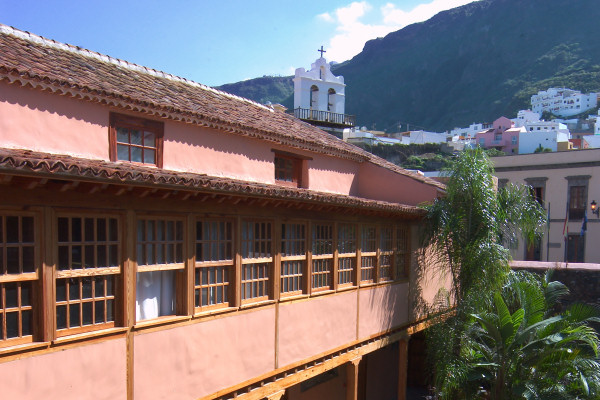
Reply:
x=219 y=41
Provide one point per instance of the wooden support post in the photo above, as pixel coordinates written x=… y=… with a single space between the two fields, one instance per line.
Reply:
x=276 y=396
x=402 y=368
x=352 y=379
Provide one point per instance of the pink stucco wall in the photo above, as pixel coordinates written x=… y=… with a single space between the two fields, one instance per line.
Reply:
x=195 y=360
x=382 y=308
x=334 y=175
x=39 y=121
x=311 y=327
x=382 y=184
x=92 y=372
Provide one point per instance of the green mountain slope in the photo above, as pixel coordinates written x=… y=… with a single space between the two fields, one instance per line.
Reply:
x=473 y=63
x=267 y=88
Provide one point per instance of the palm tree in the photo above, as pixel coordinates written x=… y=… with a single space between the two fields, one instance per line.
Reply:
x=523 y=349
x=469 y=230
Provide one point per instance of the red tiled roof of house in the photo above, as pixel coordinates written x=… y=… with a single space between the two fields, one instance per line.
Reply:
x=31 y=60
x=44 y=165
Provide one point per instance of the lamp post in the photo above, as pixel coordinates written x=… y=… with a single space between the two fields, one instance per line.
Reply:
x=595 y=209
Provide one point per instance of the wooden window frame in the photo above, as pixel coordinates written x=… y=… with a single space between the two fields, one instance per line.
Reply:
x=286 y=260
x=180 y=267
x=385 y=251
x=263 y=265
x=367 y=274
x=344 y=257
x=131 y=122
x=319 y=259
x=402 y=251
x=33 y=306
x=80 y=276
x=226 y=267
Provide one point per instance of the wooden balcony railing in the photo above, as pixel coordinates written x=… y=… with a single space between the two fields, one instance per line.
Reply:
x=325 y=117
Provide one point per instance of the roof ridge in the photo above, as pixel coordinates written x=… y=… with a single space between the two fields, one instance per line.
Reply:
x=32 y=37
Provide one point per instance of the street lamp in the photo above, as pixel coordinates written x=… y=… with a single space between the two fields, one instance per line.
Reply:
x=595 y=209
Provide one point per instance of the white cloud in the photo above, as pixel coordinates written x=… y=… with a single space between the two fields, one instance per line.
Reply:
x=326 y=17
x=396 y=16
x=352 y=34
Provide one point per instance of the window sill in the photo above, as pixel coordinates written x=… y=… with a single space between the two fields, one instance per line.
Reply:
x=346 y=288
x=322 y=293
x=216 y=311
x=169 y=319
x=88 y=335
x=256 y=304
x=292 y=298
x=24 y=347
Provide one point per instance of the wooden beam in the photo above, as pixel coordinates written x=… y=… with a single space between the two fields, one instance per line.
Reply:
x=276 y=396
x=402 y=368
x=69 y=185
x=352 y=378
x=96 y=188
x=35 y=183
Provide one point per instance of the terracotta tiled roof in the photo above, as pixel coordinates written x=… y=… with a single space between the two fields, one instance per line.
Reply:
x=30 y=163
x=31 y=60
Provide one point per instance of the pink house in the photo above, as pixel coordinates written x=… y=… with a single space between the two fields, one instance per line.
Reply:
x=502 y=136
x=160 y=239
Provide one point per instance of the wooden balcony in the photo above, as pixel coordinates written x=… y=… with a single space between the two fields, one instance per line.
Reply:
x=325 y=118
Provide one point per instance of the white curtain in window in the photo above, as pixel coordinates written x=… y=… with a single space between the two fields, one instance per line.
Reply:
x=155 y=294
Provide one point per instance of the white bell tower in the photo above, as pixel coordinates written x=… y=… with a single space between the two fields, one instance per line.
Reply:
x=318 y=89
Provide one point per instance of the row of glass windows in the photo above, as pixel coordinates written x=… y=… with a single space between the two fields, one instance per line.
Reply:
x=89 y=259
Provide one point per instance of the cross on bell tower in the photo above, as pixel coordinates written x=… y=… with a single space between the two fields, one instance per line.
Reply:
x=322 y=51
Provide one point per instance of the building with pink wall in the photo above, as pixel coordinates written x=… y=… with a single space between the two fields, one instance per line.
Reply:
x=160 y=239
x=502 y=136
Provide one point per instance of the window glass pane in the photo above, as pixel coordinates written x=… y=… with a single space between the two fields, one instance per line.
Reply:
x=89 y=230
x=101 y=250
x=12 y=229
x=149 y=139
x=26 y=316
x=114 y=230
x=87 y=310
x=136 y=137
x=122 y=135
x=61 y=290
x=149 y=156
x=25 y=294
x=63 y=257
x=12 y=325
x=12 y=295
x=101 y=229
x=122 y=152
x=74 y=315
x=99 y=311
x=27 y=232
x=61 y=317
x=136 y=154
x=63 y=229
x=12 y=260
x=76 y=229
x=86 y=288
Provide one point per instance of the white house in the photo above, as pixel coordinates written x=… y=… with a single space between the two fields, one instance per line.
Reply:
x=422 y=137
x=563 y=102
x=530 y=141
x=525 y=117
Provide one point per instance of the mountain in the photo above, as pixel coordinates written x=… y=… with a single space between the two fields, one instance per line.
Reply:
x=473 y=63
x=267 y=88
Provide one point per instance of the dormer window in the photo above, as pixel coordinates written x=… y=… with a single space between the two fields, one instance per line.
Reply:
x=136 y=140
x=289 y=169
